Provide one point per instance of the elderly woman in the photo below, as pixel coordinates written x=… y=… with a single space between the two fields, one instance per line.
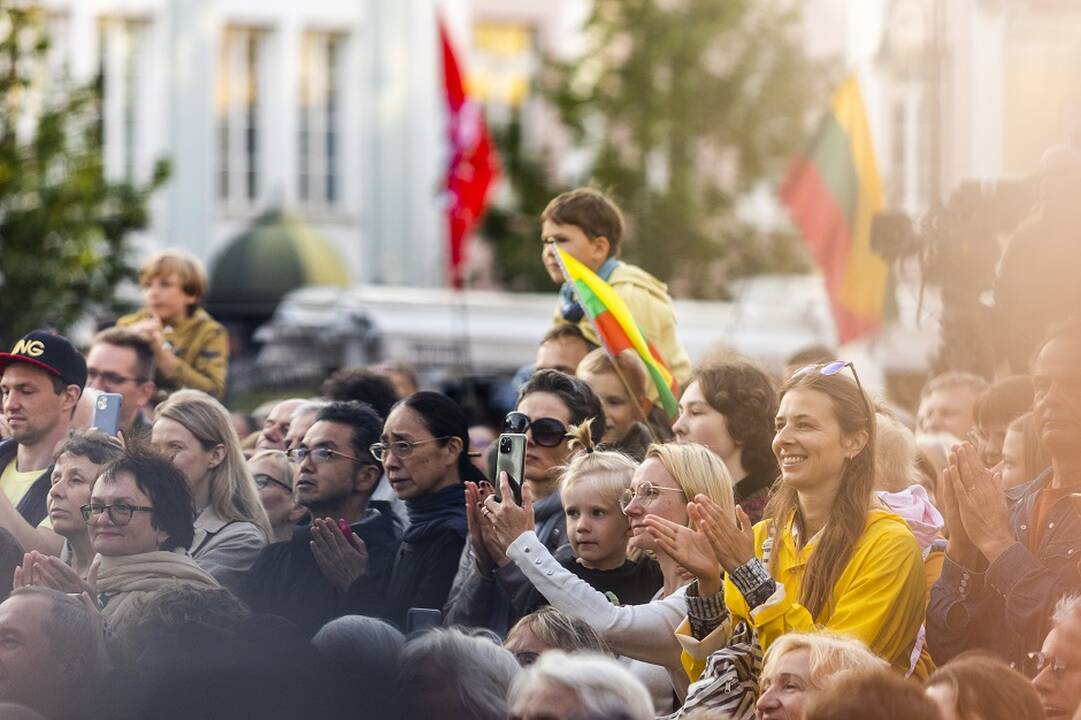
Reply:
x=273 y=476
x=194 y=431
x=79 y=461
x=141 y=517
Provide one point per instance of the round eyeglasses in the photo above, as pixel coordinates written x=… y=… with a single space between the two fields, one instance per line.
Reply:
x=547 y=432
x=120 y=514
x=646 y=493
x=401 y=448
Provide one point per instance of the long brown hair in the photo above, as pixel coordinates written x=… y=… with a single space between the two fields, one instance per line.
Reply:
x=848 y=515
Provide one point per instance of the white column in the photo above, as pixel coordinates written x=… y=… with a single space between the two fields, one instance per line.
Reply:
x=194 y=36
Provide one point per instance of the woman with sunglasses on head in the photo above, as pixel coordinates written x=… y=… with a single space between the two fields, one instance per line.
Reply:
x=729 y=407
x=273 y=477
x=828 y=555
x=195 y=432
x=548 y=404
x=424 y=449
x=661 y=487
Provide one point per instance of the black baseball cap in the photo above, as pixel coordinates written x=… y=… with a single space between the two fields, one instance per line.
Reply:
x=50 y=352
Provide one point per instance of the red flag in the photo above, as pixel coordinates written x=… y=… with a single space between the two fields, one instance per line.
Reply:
x=474 y=165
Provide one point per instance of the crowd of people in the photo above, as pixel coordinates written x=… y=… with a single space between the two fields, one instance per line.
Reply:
x=784 y=547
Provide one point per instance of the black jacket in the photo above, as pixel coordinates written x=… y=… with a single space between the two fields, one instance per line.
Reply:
x=633 y=583
x=423 y=573
x=32 y=506
x=286 y=580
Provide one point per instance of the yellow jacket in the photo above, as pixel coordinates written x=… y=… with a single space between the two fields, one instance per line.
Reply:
x=648 y=300
x=201 y=346
x=878 y=599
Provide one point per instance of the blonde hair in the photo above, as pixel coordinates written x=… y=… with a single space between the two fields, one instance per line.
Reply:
x=233 y=494
x=559 y=631
x=698 y=471
x=829 y=653
x=282 y=470
x=599 y=362
x=184 y=265
x=895 y=455
x=607 y=471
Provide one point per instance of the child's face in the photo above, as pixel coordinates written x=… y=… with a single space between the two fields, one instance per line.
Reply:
x=165 y=298
x=597 y=529
x=573 y=241
x=619 y=416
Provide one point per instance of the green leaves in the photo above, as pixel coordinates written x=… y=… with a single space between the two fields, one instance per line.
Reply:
x=684 y=106
x=63 y=226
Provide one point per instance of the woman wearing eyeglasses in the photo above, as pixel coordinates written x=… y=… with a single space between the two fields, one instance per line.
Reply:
x=828 y=555
x=194 y=431
x=141 y=522
x=273 y=477
x=548 y=404
x=729 y=408
x=424 y=449
x=662 y=485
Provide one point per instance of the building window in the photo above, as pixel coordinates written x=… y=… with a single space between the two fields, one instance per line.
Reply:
x=319 y=131
x=121 y=49
x=238 y=109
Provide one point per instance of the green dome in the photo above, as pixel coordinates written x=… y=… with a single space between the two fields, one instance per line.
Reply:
x=276 y=255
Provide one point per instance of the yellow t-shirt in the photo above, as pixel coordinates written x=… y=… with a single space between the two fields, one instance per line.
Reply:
x=15 y=484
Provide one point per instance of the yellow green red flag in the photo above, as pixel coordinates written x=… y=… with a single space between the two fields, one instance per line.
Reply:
x=832 y=192
x=616 y=326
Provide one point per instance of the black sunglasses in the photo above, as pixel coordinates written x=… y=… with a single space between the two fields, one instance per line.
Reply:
x=547 y=432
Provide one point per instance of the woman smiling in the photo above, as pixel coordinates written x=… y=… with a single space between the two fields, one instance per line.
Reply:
x=827 y=555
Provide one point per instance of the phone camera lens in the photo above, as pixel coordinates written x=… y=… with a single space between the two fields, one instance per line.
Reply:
x=504 y=445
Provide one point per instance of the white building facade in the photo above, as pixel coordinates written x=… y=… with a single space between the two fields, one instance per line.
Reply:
x=329 y=109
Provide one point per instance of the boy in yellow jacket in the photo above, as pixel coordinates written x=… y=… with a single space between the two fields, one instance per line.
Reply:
x=191 y=349
x=587 y=224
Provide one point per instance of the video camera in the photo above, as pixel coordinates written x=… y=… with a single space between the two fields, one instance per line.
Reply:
x=958 y=247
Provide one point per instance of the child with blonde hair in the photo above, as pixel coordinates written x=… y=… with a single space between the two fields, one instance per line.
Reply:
x=625 y=400
x=191 y=349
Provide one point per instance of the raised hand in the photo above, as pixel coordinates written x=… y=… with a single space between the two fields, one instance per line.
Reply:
x=48 y=571
x=959 y=547
x=981 y=503
x=477 y=525
x=342 y=558
x=690 y=548
x=507 y=520
x=733 y=544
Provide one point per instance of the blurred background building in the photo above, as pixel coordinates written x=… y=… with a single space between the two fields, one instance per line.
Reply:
x=321 y=126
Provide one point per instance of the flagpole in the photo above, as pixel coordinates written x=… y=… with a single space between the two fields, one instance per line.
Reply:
x=639 y=413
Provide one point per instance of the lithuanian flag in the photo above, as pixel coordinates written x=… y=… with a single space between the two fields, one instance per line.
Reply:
x=832 y=192
x=616 y=327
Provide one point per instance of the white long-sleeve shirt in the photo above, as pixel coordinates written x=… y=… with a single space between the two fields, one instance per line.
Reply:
x=642 y=632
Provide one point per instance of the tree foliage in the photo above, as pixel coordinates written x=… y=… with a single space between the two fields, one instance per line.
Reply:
x=686 y=105
x=64 y=227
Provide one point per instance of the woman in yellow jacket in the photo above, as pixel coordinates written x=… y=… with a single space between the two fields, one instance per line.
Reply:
x=825 y=556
